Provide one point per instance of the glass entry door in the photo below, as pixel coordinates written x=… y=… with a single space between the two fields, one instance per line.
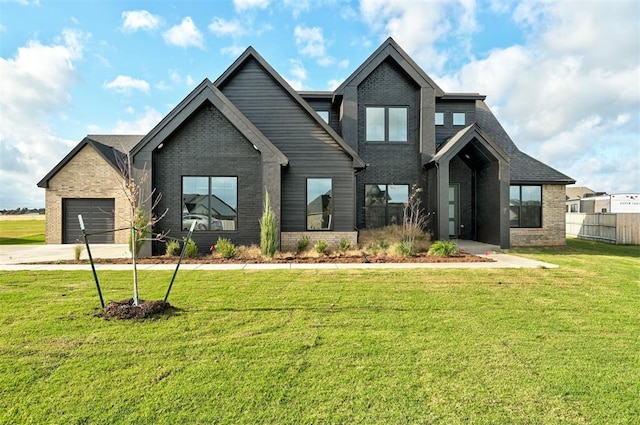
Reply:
x=454 y=209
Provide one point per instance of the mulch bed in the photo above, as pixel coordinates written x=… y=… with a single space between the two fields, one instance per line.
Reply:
x=327 y=259
x=126 y=310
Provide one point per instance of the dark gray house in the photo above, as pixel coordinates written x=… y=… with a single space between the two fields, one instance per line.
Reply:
x=332 y=162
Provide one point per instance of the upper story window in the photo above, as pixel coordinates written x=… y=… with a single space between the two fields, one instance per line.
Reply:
x=386 y=124
x=319 y=204
x=439 y=118
x=324 y=115
x=459 y=118
x=210 y=202
x=525 y=204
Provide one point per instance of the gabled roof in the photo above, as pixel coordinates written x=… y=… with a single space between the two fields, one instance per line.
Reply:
x=389 y=49
x=462 y=138
x=207 y=92
x=251 y=53
x=112 y=148
x=524 y=169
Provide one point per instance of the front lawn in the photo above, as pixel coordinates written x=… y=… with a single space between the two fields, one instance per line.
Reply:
x=22 y=232
x=315 y=346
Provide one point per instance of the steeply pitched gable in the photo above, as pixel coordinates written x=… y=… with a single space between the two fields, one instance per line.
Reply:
x=249 y=55
x=207 y=92
x=390 y=49
x=112 y=148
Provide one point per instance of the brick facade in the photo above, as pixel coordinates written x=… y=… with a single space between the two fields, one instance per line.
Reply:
x=552 y=232
x=87 y=175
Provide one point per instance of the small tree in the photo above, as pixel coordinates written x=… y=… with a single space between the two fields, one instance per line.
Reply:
x=141 y=218
x=268 y=229
x=414 y=220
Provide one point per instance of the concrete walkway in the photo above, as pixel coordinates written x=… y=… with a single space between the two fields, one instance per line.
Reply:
x=25 y=257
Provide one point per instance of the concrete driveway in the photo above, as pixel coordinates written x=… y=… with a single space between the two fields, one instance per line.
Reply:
x=21 y=254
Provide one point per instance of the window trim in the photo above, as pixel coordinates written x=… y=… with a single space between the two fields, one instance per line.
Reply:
x=386 y=109
x=306 y=209
x=210 y=189
x=519 y=206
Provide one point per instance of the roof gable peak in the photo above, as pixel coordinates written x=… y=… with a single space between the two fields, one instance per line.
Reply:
x=390 y=49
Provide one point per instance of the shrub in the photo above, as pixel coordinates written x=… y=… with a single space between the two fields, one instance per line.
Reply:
x=191 y=249
x=322 y=247
x=77 y=250
x=173 y=247
x=344 y=245
x=303 y=243
x=225 y=248
x=405 y=249
x=268 y=230
x=444 y=249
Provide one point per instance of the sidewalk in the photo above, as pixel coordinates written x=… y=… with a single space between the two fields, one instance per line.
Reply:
x=25 y=257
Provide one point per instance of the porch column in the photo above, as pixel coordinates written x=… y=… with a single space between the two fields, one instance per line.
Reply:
x=505 y=225
x=271 y=182
x=442 y=212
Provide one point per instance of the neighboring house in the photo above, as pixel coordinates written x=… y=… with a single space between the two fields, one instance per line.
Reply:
x=332 y=162
x=574 y=195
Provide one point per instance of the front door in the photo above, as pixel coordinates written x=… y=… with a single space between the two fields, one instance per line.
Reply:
x=454 y=209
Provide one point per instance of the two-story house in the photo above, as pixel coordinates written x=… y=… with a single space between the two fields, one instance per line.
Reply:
x=333 y=162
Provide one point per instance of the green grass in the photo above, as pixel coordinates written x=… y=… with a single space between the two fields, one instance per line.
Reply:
x=547 y=346
x=21 y=232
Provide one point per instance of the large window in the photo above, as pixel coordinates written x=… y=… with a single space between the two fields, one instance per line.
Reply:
x=386 y=124
x=319 y=204
x=384 y=204
x=526 y=206
x=210 y=202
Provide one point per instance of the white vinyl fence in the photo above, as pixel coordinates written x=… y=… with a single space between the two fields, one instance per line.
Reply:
x=623 y=229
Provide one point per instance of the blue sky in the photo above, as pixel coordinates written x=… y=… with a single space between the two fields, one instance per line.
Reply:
x=563 y=77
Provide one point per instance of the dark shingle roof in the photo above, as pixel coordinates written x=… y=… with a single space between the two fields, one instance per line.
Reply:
x=524 y=168
x=112 y=148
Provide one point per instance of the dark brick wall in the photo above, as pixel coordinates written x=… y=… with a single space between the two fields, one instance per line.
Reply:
x=388 y=163
x=207 y=144
x=443 y=132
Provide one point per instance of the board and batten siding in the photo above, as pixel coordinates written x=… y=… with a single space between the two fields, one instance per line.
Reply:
x=311 y=150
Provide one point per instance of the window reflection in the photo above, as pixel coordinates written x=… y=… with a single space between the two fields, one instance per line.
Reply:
x=319 y=204
x=209 y=202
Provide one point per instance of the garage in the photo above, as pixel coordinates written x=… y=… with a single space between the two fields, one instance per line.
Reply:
x=98 y=217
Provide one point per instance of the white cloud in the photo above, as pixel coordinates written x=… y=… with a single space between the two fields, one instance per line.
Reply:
x=298 y=74
x=334 y=84
x=125 y=84
x=221 y=27
x=571 y=94
x=243 y=5
x=233 y=50
x=297 y=6
x=135 y=20
x=29 y=98
x=419 y=27
x=184 y=35
x=311 y=43
x=140 y=125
